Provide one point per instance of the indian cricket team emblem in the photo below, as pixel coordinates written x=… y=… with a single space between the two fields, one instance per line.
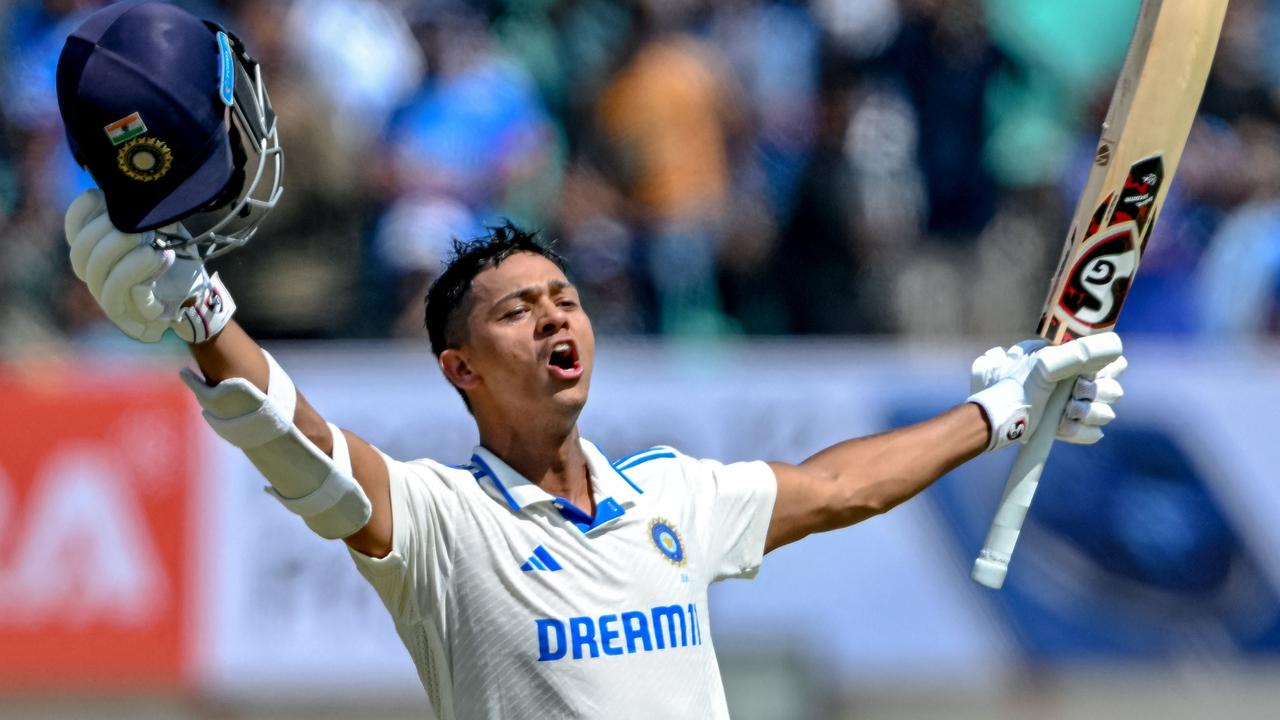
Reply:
x=667 y=540
x=144 y=159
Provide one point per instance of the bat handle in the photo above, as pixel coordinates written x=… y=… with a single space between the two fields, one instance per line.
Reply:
x=992 y=563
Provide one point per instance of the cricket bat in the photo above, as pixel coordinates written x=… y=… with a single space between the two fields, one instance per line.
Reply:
x=1146 y=127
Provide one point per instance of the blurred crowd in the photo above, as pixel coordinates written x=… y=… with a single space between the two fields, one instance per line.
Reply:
x=708 y=167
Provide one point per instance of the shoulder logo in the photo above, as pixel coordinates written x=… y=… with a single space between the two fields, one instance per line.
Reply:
x=144 y=159
x=667 y=540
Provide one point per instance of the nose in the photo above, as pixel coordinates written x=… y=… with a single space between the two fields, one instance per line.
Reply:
x=554 y=319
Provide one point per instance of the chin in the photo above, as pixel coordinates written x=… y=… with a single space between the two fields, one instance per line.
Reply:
x=574 y=398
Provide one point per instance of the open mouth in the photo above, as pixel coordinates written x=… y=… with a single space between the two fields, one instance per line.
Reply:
x=563 y=361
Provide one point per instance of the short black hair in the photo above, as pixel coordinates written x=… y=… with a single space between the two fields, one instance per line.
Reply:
x=448 y=292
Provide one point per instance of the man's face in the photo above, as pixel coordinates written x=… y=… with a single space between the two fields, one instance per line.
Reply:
x=528 y=346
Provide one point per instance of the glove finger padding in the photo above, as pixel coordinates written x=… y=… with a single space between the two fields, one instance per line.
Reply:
x=1088 y=413
x=86 y=241
x=1082 y=422
x=145 y=302
x=87 y=206
x=132 y=273
x=1107 y=390
x=1090 y=408
x=1115 y=369
x=1081 y=356
x=1078 y=434
x=984 y=370
x=139 y=266
x=106 y=254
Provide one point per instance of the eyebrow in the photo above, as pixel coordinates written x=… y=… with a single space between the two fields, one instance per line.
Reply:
x=533 y=289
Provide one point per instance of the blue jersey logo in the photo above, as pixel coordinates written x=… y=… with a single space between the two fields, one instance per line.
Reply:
x=635 y=631
x=541 y=560
x=667 y=540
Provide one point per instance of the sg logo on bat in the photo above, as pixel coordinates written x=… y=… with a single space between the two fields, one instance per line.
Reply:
x=1100 y=278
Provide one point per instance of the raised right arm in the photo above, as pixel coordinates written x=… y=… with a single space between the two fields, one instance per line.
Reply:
x=336 y=481
x=233 y=354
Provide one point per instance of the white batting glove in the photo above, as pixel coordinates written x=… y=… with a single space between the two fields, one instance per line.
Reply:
x=142 y=288
x=1012 y=387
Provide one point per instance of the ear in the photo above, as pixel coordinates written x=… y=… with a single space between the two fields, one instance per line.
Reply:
x=454 y=365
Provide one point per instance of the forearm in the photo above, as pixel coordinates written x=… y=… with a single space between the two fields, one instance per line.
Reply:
x=878 y=472
x=233 y=354
x=857 y=479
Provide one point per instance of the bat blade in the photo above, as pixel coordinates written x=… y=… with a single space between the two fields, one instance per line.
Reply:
x=1146 y=128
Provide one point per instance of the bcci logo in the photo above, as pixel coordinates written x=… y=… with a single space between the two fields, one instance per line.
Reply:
x=667 y=540
x=144 y=159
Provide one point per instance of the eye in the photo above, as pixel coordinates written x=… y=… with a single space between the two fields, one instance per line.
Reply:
x=515 y=313
x=567 y=303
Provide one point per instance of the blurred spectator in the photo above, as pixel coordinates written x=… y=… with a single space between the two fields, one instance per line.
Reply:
x=599 y=247
x=945 y=62
x=862 y=29
x=667 y=115
x=413 y=241
x=472 y=146
x=821 y=249
x=359 y=56
x=772 y=49
x=1237 y=283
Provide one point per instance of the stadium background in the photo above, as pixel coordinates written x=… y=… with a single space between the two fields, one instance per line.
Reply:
x=792 y=222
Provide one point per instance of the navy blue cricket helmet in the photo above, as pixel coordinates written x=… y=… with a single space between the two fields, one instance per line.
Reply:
x=170 y=116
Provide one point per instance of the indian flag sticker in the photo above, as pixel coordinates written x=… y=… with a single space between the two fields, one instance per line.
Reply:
x=125 y=129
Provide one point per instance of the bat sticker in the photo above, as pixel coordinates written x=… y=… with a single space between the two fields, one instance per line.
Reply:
x=1139 y=193
x=1095 y=223
x=1099 y=280
x=1146 y=234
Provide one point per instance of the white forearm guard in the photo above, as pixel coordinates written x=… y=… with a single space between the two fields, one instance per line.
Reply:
x=322 y=490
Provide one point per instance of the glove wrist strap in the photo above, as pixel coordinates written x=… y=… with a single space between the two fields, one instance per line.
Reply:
x=208 y=315
x=1005 y=406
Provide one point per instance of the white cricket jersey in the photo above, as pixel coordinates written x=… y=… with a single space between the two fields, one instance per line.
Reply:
x=515 y=604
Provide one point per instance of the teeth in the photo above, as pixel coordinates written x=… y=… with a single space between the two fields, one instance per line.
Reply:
x=560 y=347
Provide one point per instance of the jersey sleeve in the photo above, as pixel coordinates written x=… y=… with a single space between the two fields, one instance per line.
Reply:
x=423 y=504
x=733 y=504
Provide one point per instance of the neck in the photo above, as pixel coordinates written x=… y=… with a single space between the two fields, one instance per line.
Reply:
x=550 y=458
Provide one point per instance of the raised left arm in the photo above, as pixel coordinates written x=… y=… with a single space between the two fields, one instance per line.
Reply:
x=857 y=479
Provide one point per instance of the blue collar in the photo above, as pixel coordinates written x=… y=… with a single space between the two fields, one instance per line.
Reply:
x=613 y=491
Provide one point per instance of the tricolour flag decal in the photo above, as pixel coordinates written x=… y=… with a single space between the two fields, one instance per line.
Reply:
x=125 y=129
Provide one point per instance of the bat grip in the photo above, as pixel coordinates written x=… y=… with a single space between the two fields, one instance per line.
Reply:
x=992 y=563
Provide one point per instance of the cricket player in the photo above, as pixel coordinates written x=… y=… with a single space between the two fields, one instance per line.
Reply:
x=535 y=577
